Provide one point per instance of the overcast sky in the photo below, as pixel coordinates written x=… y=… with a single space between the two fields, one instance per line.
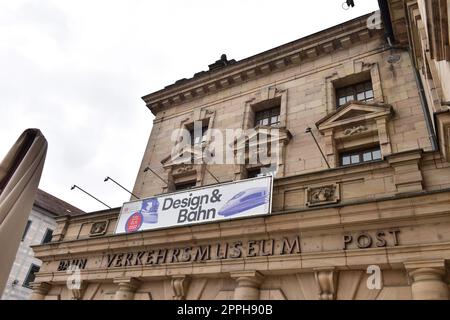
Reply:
x=77 y=71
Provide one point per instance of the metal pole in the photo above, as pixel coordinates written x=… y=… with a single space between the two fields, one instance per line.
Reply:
x=309 y=130
x=215 y=178
x=90 y=195
x=149 y=169
x=109 y=178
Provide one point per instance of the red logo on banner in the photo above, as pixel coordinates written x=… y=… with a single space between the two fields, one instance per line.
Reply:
x=134 y=222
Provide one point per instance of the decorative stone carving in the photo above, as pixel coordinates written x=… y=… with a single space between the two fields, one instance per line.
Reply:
x=183 y=169
x=326 y=280
x=323 y=195
x=99 y=228
x=355 y=130
x=180 y=286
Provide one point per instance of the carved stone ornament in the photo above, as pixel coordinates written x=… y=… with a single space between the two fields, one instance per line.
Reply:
x=180 y=286
x=355 y=130
x=183 y=169
x=326 y=281
x=99 y=228
x=318 y=196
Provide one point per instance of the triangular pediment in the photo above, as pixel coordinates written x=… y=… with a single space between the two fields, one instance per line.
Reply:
x=185 y=156
x=354 y=112
x=272 y=134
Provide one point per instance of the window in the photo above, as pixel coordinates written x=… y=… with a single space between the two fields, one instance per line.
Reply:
x=261 y=171
x=269 y=117
x=26 y=229
x=198 y=139
x=31 y=275
x=360 y=157
x=359 y=92
x=185 y=186
x=48 y=236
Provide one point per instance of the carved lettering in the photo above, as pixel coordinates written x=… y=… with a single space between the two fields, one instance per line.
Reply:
x=265 y=252
x=236 y=250
x=139 y=256
x=251 y=249
x=366 y=240
x=203 y=253
x=291 y=248
x=381 y=240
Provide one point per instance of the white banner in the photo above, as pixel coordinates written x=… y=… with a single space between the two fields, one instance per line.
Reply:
x=241 y=199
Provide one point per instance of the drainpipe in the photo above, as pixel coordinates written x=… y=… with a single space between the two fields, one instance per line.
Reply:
x=387 y=23
x=425 y=108
x=390 y=38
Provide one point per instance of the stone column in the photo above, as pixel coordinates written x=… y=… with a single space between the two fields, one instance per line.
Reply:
x=40 y=290
x=428 y=280
x=248 y=283
x=127 y=288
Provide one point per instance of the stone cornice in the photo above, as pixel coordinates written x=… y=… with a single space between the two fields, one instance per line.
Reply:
x=387 y=258
x=276 y=59
x=381 y=210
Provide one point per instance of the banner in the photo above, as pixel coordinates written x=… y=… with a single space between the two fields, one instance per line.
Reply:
x=241 y=199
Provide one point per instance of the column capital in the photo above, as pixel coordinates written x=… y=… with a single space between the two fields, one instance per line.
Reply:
x=438 y=265
x=41 y=287
x=127 y=283
x=248 y=278
x=40 y=290
x=248 y=283
x=428 y=279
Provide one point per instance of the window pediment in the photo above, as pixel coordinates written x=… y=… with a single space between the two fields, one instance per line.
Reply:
x=353 y=113
x=356 y=125
x=272 y=134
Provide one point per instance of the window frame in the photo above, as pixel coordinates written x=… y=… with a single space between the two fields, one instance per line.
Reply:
x=260 y=170
x=192 y=185
x=360 y=153
x=353 y=89
x=30 y=273
x=205 y=129
x=47 y=232
x=269 y=113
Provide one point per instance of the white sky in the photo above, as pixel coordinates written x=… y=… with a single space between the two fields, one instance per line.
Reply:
x=77 y=69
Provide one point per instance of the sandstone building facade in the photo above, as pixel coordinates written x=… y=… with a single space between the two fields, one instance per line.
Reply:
x=370 y=199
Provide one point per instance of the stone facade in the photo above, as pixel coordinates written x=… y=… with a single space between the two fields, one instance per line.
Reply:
x=373 y=230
